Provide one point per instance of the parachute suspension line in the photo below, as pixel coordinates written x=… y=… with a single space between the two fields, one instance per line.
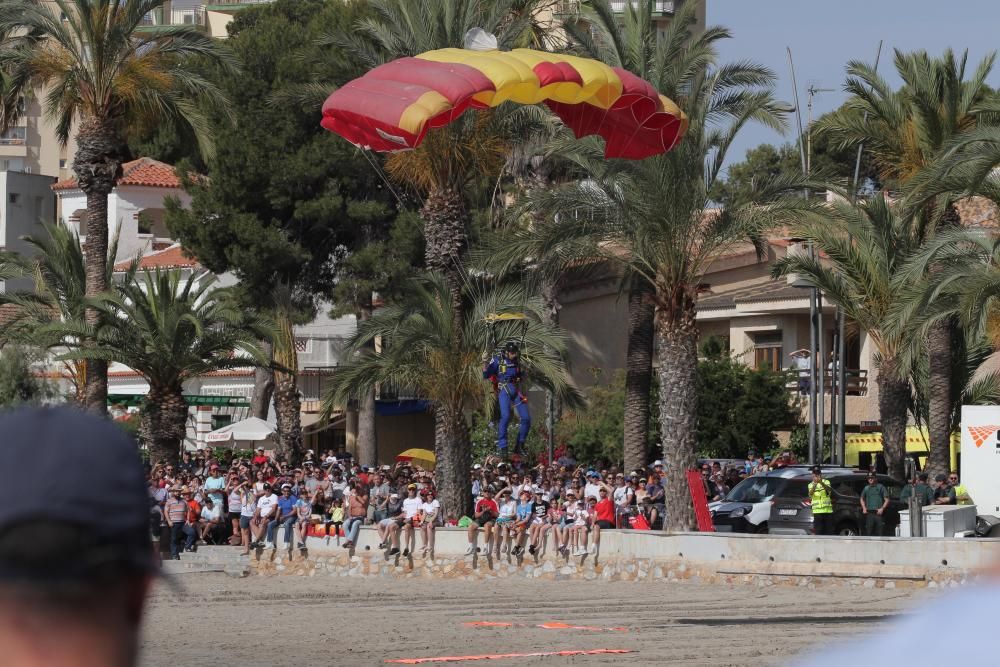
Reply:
x=385 y=179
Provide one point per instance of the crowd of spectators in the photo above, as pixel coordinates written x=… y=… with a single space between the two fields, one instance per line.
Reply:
x=252 y=501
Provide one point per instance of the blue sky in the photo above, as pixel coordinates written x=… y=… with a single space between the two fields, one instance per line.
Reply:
x=823 y=36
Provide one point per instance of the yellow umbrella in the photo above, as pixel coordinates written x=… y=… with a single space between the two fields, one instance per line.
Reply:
x=421 y=457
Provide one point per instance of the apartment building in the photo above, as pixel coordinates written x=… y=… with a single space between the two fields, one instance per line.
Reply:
x=26 y=203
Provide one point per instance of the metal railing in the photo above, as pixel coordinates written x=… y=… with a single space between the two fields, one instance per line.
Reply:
x=194 y=16
x=855 y=382
x=666 y=7
x=571 y=7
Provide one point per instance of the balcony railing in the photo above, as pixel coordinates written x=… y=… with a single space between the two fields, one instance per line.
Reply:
x=194 y=16
x=855 y=381
x=216 y=3
x=666 y=7
x=573 y=7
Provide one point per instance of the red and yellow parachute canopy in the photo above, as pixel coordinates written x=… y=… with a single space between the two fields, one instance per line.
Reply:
x=393 y=106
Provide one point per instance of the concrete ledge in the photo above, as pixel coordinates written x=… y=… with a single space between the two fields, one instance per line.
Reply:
x=922 y=553
x=642 y=556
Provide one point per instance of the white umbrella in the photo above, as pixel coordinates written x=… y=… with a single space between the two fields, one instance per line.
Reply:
x=251 y=429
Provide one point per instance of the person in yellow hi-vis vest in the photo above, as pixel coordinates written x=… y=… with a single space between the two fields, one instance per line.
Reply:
x=961 y=493
x=821 y=495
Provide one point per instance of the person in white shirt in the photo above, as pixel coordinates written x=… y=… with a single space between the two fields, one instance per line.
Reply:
x=430 y=509
x=593 y=485
x=211 y=517
x=411 y=516
x=505 y=522
x=267 y=508
x=622 y=497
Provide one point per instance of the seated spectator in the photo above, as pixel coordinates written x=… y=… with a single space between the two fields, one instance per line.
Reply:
x=303 y=518
x=357 y=512
x=394 y=508
x=522 y=519
x=267 y=510
x=285 y=516
x=581 y=525
x=210 y=521
x=505 y=522
x=540 y=523
x=486 y=512
x=604 y=517
x=430 y=513
x=411 y=519
x=652 y=514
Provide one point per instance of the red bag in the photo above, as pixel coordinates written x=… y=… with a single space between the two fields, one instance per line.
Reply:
x=638 y=522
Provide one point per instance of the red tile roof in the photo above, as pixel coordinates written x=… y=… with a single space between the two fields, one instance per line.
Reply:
x=174 y=257
x=145 y=172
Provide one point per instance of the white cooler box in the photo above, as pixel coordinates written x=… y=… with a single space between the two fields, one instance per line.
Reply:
x=942 y=520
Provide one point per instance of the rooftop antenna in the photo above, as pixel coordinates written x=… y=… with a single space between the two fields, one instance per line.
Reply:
x=812 y=90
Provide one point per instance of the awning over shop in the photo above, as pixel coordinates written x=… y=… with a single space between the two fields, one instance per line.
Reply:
x=136 y=400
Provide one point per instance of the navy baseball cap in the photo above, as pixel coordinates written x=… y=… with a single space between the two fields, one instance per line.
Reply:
x=67 y=466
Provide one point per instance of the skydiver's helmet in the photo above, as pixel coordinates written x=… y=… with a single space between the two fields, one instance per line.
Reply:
x=511 y=347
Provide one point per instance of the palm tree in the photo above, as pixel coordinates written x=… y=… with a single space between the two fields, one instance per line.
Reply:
x=419 y=352
x=654 y=218
x=104 y=78
x=973 y=384
x=632 y=45
x=905 y=132
x=866 y=247
x=58 y=273
x=168 y=329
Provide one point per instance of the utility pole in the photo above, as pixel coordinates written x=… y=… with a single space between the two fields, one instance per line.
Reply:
x=819 y=356
x=813 y=292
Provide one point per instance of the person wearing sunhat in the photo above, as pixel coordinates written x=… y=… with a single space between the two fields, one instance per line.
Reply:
x=76 y=559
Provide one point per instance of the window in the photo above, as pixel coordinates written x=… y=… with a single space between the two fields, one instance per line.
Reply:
x=13 y=198
x=62 y=163
x=768 y=350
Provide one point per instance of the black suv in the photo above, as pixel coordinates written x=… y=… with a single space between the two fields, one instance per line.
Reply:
x=791 y=511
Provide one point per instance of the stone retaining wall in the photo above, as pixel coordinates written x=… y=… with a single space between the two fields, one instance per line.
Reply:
x=749 y=573
x=627 y=555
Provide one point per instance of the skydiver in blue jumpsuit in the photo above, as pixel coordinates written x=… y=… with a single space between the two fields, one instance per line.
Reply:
x=504 y=371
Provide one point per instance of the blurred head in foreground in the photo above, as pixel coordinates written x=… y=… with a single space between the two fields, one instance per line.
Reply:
x=75 y=554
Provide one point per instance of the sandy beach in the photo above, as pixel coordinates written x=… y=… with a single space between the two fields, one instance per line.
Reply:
x=295 y=621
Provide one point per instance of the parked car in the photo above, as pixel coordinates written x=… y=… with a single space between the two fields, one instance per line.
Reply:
x=747 y=506
x=791 y=511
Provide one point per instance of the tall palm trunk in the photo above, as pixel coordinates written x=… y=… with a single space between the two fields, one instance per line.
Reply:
x=263 y=385
x=287 y=410
x=893 y=397
x=549 y=292
x=639 y=374
x=939 y=380
x=445 y=237
x=287 y=401
x=367 y=444
x=453 y=450
x=678 y=411
x=164 y=422
x=939 y=408
x=97 y=165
